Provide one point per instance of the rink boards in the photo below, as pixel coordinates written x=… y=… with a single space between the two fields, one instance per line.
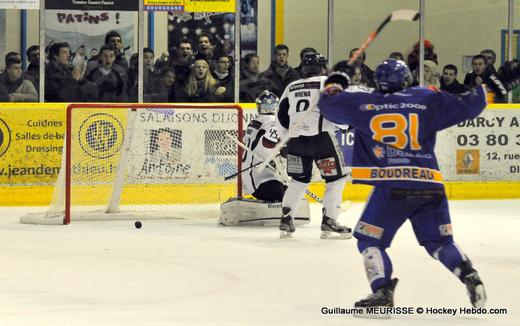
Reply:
x=479 y=159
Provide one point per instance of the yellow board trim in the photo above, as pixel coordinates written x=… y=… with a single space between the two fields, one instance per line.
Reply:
x=41 y=195
x=279 y=22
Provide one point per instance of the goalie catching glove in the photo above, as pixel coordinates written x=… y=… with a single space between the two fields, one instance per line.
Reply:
x=336 y=82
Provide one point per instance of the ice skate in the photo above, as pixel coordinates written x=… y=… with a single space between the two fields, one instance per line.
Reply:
x=330 y=229
x=286 y=224
x=382 y=298
x=474 y=286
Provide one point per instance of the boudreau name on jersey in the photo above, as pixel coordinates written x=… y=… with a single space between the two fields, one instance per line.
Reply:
x=397 y=173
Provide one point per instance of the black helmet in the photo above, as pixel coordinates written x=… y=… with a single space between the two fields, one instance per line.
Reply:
x=314 y=59
x=313 y=64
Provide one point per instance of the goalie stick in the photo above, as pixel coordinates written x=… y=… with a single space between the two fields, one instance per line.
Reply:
x=403 y=14
x=231 y=176
x=346 y=205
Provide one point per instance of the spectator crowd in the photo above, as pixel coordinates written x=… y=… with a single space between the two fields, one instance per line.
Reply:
x=201 y=72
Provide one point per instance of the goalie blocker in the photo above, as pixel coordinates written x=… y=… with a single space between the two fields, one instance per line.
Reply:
x=243 y=211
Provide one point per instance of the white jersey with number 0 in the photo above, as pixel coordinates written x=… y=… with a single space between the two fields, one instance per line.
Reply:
x=298 y=112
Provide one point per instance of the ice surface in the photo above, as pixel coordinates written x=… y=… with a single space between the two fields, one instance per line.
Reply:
x=193 y=272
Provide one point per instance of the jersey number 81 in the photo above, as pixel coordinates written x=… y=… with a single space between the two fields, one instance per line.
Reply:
x=396 y=130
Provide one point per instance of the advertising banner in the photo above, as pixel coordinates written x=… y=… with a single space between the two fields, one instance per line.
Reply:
x=190 y=5
x=209 y=5
x=119 y=5
x=486 y=148
x=31 y=145
x=19 y=4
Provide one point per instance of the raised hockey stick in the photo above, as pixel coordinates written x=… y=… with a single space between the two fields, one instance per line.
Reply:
x=403 y=14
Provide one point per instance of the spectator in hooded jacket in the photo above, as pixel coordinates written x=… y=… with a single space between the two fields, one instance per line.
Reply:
x=431 y=74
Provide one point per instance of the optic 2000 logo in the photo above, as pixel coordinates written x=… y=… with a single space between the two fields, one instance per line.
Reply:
x=101 y=135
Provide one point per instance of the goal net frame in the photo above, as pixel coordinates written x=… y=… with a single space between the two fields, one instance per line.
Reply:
x=115 y=197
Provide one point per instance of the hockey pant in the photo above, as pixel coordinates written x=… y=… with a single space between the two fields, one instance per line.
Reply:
x=323 y=150
x=386 y=210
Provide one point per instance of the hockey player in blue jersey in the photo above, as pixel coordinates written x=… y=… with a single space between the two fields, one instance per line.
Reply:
x=395 y=130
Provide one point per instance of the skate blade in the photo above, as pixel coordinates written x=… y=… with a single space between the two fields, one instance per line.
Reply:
x=335 y=236
x=481 y=297
x=286 y=235
x=366 y=315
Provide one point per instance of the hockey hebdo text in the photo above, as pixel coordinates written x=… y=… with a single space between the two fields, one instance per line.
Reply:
x=396 y=311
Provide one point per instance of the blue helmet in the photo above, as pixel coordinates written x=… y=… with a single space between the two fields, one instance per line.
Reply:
x=392 y=75
x=267 y=102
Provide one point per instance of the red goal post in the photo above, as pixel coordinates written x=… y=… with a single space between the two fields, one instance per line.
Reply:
x=138 y=161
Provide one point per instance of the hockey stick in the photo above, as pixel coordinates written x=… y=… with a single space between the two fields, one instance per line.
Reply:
x=403 y=14
x=242 y=171
x=344 y=206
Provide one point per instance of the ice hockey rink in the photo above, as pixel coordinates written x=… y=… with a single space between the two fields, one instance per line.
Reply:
x=193 y=272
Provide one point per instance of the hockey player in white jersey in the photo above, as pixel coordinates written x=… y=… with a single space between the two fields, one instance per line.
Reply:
x=312 y=140
x=261 y=137
x=268 y=186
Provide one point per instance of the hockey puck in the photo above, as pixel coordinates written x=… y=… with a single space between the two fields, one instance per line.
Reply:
x=138 y=224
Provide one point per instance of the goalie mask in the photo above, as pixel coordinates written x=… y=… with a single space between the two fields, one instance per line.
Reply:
x=267 y=103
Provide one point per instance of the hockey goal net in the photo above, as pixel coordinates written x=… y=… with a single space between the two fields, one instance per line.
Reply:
x=133 y=161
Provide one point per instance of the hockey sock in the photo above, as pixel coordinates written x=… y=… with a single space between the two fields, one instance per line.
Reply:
x=333 y=198
x=293 y=195
x=451 y=256
x=378 y=267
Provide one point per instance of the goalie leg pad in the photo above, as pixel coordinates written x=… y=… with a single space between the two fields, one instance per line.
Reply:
x=251 y=212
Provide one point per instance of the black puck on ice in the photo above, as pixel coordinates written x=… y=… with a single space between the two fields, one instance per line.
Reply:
x=138 y=224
